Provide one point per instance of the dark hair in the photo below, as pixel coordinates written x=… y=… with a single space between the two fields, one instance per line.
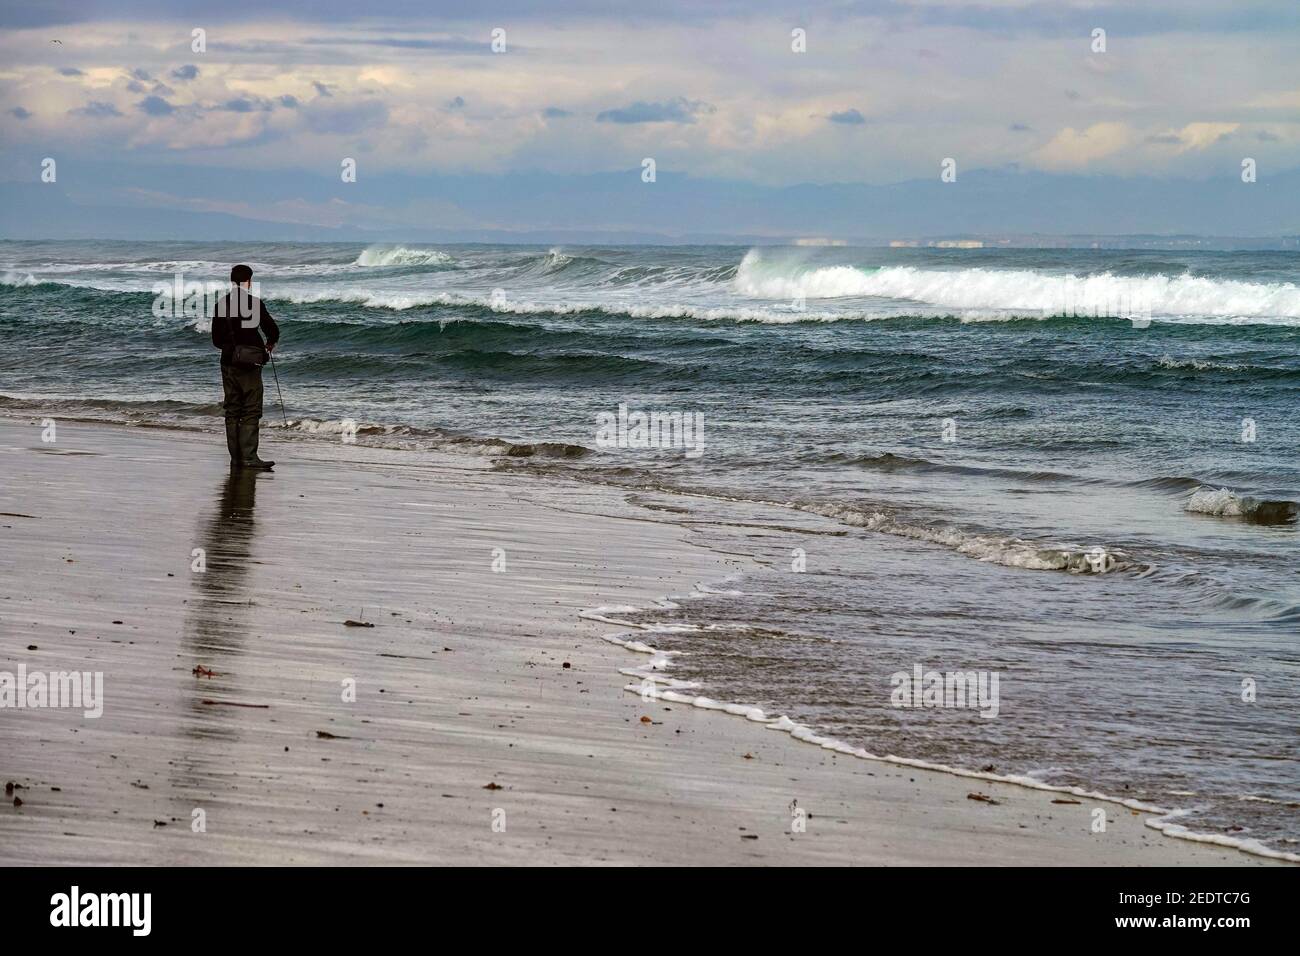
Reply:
x=241 y=273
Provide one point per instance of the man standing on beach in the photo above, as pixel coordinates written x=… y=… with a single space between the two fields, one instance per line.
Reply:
x=235 y=323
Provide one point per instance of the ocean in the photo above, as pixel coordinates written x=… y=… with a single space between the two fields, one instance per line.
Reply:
x=1074 y=471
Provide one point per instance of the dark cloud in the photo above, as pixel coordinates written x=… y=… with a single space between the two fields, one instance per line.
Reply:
x=1020 y=128
x=155 y=106
x=321 y=88
x=97 y=109
x=140 y=74
x=247 y=104
x=185 y=73
x=21 y=113
x=289 y=102
x=847 y=118
x=677 y=110
x=457 y=103
x=1264 y=136
x=554 y=112
x=1165 y=139
x=70 y=71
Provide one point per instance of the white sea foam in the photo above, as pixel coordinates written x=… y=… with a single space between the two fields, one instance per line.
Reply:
x=401 y=301
x=1216 y=501
x=1225 y=503
x=1198 y=365
x=556 y=259
x=1023 y=291
x=996 y=549
x=402 y=256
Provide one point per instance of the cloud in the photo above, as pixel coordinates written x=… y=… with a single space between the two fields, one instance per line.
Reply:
x=244 y=104
x=677 y=110
x=1203 y=135
x=457 y=103
x=21 y=113
x=346 y=118
x=286 y=83
x=97 y=109
x=1194 y=136
x=1074 y=149
x=155 y=106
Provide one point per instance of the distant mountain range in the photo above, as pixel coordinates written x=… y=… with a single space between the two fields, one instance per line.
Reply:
x=996 y=207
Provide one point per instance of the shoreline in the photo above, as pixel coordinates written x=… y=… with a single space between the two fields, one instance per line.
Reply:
x=1160 y=819
x=609 y=778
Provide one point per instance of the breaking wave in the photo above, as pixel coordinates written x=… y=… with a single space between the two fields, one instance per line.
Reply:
x=402 y=256
x=1026 y=292
x=1224 y=503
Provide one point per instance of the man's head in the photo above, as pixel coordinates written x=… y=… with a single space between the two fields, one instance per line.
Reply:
x=241 y=275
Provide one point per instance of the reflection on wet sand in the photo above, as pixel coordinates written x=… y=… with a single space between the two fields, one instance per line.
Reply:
x=216 y=626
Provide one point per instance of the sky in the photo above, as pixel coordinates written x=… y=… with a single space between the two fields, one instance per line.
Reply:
x=742 y=102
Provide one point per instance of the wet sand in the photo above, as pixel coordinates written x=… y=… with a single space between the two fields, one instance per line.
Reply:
x=490 y=724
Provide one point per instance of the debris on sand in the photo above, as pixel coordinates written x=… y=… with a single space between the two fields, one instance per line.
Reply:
x=351 y=623
x=982 y=798
x=231 y=703
x=493 y=786
x=326 y=735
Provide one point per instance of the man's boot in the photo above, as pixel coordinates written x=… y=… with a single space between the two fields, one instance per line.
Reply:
x=248 y=444
x=232 y=441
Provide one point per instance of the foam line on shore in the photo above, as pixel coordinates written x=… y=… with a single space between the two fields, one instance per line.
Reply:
x=653 y=684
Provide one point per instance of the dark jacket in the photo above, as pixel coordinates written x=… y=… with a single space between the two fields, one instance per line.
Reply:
x=228 y=329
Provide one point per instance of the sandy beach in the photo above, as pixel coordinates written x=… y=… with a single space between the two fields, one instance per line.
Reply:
x=490 y=723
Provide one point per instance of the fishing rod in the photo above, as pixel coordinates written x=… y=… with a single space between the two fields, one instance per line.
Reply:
x=283 y=414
